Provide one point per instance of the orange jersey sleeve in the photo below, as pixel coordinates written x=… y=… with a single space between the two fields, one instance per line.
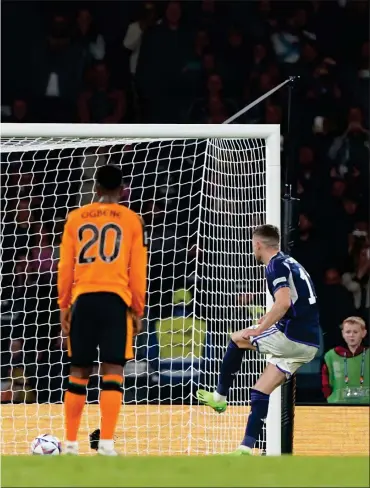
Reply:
x=66 y=265
x=137 y=272
x=103 y=250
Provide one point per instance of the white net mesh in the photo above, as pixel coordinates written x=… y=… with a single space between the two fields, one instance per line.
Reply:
x=200 y=200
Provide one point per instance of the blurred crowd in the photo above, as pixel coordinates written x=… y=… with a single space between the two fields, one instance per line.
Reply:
x=173 y=62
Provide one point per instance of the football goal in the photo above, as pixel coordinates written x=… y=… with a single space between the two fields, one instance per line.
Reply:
x=201 y=189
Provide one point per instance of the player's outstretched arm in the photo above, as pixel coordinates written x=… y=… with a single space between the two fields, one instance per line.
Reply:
x=66 y=267
x=138 y=269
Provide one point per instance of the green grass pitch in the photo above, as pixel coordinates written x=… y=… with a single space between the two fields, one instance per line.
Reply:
x=210 y=471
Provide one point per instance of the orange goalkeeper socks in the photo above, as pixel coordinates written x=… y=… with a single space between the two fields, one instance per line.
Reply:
x=110 y=404
x=74 y=402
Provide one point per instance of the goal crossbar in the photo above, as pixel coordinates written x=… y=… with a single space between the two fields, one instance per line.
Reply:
x=138 y=131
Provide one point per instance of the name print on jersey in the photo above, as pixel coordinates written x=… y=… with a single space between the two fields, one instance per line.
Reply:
x=93 y=214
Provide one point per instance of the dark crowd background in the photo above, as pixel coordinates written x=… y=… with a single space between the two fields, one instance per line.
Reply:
x=181 y=62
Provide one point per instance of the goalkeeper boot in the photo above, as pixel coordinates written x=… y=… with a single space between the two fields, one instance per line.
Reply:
x=71 y=448
x=207 y=398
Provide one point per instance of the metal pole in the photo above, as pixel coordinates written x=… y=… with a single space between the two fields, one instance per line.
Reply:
x=256 y=102
x=290 y=221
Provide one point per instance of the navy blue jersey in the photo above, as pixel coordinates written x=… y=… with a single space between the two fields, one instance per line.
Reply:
x=301 y=322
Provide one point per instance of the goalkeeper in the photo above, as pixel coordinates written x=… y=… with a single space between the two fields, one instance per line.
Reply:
x=288 y=334
x=101 y=288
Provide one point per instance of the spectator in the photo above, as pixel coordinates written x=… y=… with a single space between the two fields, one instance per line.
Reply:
x=126 y=195
x=193 y=64
x=178 y=345
x=134 y=34
x=273 y=114
x=28 y=187
x=346 y=370
x=263 y=21
x=41 y=256
x=209 y=64
x=16 y=388
x=309 y=57
x=307 y=171
x=340 y=211
x=56 y=236
x=235 y=62
x=285 y=42
x=259 y=62
x=259 y=85
x=20 y=184
x=201 y=44
x=16 y=237
x=322 y=137
x=214 y=105
x=338 y=189
x=361 y=91
x=214 y=85
x=101 y=103
x=90 y=162
x=56 y=75
x=357 y=281
x=208 y=16
x=20 y=113
x=160 y=65
x=22 y=307
x=332 y=210
x=352 y=146
x=88 y=38
x=49 y=374
x=216 y=113
x=350 y=206
x=359 y=237
x=162 y=239
x=358 y=183
x=310 y=250
x=335 y=305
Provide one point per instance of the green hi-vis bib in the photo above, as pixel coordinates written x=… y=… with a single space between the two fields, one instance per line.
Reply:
x=349 y=388
x=181 y=337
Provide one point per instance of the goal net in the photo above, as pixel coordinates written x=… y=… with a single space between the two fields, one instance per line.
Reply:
x=200 y=190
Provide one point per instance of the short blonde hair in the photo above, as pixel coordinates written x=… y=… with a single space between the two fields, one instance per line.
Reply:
x=354 y=320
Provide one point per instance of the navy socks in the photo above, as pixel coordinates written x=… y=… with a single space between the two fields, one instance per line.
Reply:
x=231 y=364
x=259 y=409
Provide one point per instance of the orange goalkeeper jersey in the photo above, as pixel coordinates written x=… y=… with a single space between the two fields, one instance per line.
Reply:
x=103 y=249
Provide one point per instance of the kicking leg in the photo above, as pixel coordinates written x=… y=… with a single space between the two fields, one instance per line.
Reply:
x=110 y=406
x=231 y=364
x=271 y=378
x=74 y=402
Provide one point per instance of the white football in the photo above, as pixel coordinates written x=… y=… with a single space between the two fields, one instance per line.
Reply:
x=46 y=445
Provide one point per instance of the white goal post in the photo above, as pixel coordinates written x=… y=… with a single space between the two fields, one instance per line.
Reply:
x=201 y=189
